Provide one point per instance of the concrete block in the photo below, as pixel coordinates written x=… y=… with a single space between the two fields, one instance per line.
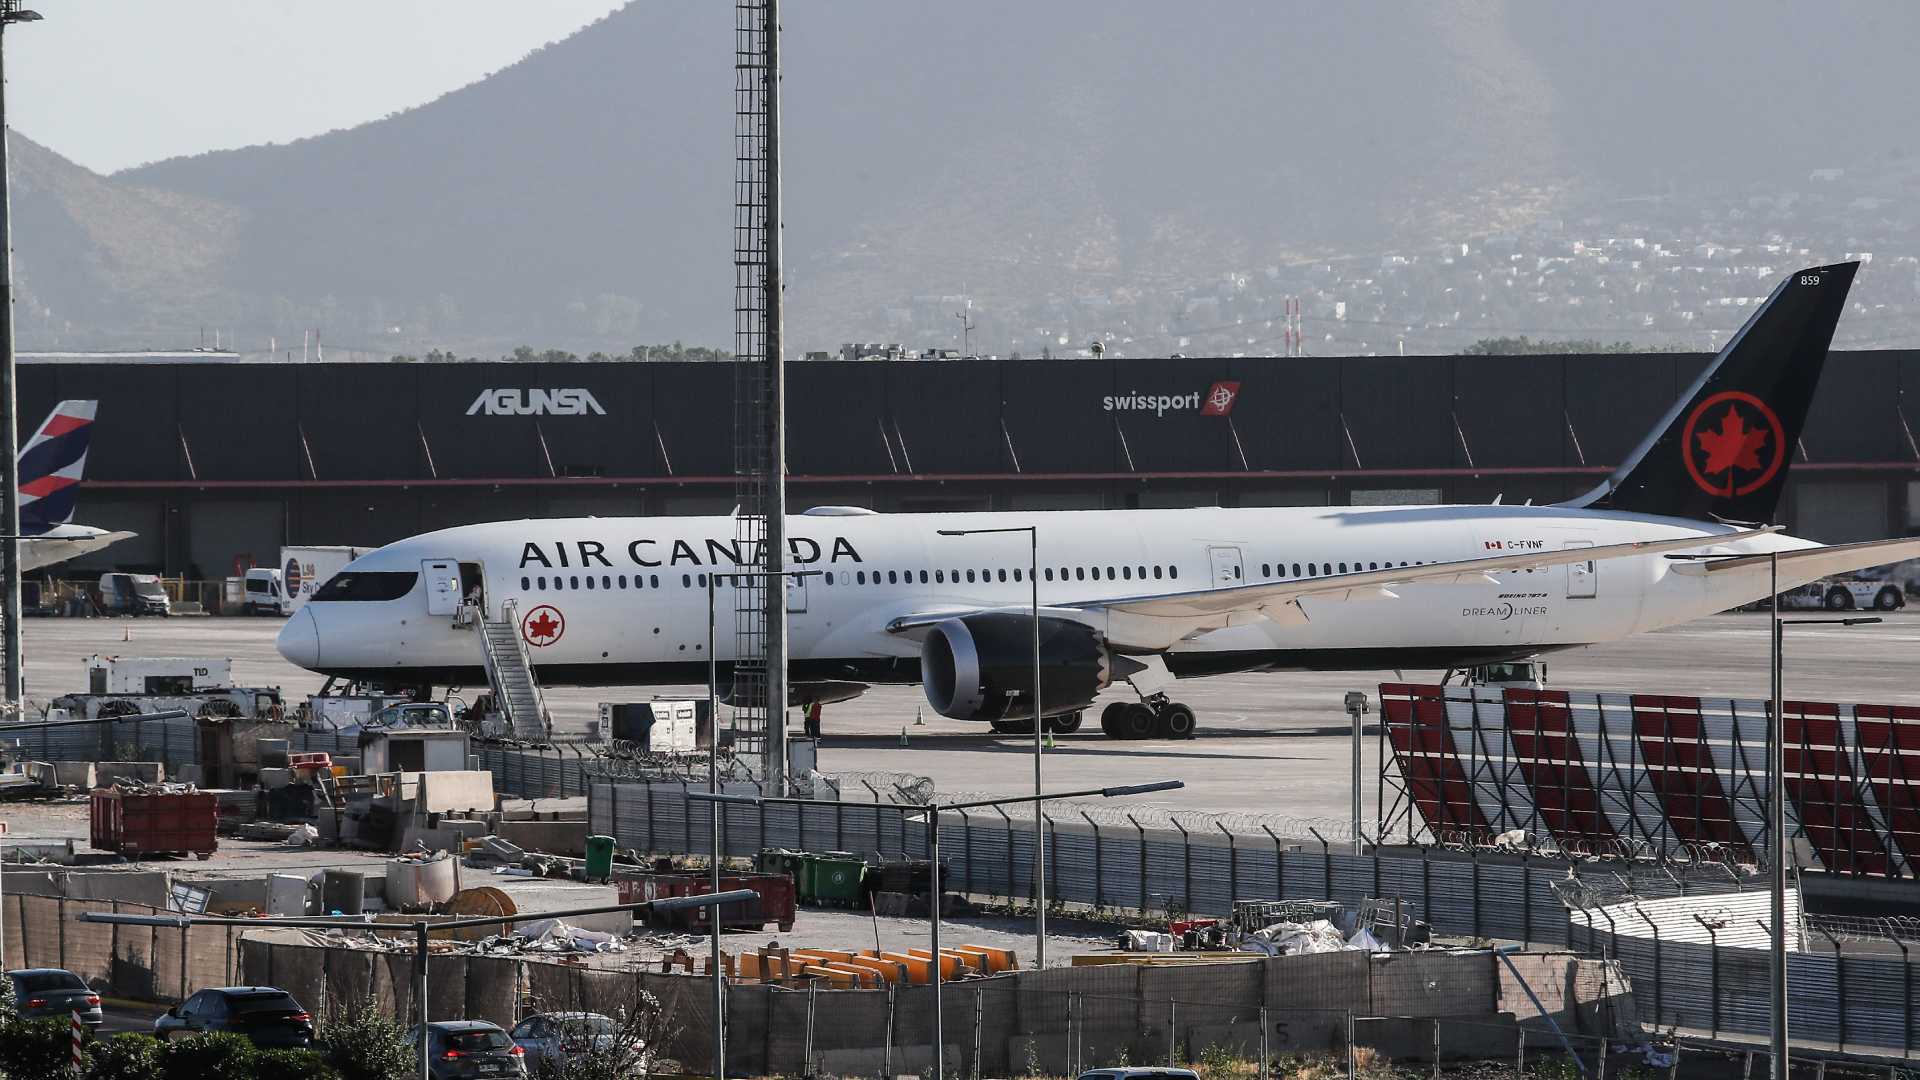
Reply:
x=446 y=792
x=551 y=837
x=1477 y=1037
x=142 y=772
x=1292 y=1031
x=78 y=774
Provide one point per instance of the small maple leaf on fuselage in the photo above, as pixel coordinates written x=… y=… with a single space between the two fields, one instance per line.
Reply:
x=542 y=627
x=1734 y=445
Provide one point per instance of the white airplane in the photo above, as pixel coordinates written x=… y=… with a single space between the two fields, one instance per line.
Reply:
x=1148 y=596
x=49 y=467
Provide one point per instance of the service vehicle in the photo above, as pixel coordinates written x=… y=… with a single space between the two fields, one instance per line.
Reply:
x=304 y=569
x=133 y=594
x=557 y=1038
x=264 y=594
x=1845 y=594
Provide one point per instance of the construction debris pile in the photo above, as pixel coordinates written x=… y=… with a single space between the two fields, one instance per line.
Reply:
x=1283 y=928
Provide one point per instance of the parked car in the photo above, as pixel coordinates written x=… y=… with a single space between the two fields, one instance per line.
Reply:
x=556 y=1037
x=266 y=1015
x=463 y=1049
x=42 y=992
x=1139 y=1074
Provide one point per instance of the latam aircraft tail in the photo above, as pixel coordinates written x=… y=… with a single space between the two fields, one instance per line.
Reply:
x=50 y=466
x=1723 y=450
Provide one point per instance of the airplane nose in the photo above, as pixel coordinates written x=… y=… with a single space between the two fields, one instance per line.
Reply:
x=299 y=640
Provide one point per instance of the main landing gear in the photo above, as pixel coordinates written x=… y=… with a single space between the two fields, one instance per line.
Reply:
x=1152 y=717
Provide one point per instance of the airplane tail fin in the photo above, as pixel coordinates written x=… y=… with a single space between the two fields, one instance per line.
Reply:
x=50 y=465
x=1723 y=450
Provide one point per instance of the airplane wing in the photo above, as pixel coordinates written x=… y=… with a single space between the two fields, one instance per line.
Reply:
x=1811 y=564
x=1156 y=621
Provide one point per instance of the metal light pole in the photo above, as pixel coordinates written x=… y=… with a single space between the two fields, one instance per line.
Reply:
x=1777 y=816
x=933 y=812
x=419 y=928
x=10 y=12
x=1039 y=736
x=1357 y=706
x=778 y=719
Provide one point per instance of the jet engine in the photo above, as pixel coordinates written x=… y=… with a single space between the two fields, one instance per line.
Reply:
x=980 y=667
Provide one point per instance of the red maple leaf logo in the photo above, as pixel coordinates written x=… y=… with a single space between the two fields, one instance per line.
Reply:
x=543 y=627
x=1733 y=446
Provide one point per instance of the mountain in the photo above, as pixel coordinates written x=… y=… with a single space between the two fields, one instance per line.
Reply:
x=1031 y=157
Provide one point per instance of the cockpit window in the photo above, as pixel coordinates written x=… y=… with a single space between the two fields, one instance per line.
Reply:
x=368 y=585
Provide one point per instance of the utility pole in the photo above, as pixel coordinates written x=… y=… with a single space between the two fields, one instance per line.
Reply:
x=10 y=12
x=776 y=592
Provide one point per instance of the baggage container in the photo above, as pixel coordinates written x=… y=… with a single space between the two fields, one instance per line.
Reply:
x=137 y=825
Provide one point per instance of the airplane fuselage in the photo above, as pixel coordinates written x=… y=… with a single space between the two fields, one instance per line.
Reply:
x=624 y=601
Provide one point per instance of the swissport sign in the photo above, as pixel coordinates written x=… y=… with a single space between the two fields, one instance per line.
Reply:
x=1655 y=775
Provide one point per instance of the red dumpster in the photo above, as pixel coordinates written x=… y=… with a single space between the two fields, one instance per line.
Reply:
x=137 y=825
x=775 y=904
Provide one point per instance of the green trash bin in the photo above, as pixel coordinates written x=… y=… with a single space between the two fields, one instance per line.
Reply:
x=779 y=861
x=599 y=858
x=833 y=879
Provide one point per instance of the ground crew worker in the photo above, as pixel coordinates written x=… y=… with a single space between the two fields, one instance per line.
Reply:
x=813 y=720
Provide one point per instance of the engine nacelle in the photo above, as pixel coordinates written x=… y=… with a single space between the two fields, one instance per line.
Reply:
x=980 y=667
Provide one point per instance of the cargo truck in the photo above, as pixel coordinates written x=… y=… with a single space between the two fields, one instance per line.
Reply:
x=305 y=569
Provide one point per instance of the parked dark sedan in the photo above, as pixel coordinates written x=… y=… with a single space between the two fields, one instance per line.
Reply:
x=42 y=992
x=266 y=1015
x=463 y=1049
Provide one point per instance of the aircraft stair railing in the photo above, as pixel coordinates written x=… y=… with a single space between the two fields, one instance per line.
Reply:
x=516 y=693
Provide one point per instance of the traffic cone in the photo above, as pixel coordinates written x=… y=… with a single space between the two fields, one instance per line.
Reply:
x=903 y=735
x=126 y=632
x=919 y=717
x=1047 y=740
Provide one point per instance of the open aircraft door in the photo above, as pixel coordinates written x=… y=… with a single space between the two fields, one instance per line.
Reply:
x=443 y=585
x=1583 y=580
x=797 y=594
x=1226 y=565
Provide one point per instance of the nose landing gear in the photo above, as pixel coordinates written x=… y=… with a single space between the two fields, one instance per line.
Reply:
x=1153 y=717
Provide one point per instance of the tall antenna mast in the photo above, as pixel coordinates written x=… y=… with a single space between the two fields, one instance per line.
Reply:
x=759 y=692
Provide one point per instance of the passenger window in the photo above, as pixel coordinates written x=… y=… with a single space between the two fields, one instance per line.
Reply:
x=1156 y=573
x=940 y=577
x=653 y=581
x=1127 y=572
x=861 y=577
x=1373 y=566
x=1109 y=573
x=542 y=581
x=923 y=577
x=1173 y=571
x=1266 y=570
x=969 y=577
x=1326 y=568
x=1343 y=568
x=1049 y=573
x=623 y=581
x=1296 y=569
x=589 y=581
x=1236 y=573
x=686 y=581
x=1016 y=573
x=525 y=584
x=1003 y=575
x=1143 y=573
x=893 y=578
x=828 y=576
x=1080 y=573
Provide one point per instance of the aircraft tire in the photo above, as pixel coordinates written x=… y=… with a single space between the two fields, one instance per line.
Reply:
x=1137 y=722
x=1888 y=599
x=1064 y=725
x=1839 y=599
x=1110 y=719
x=1179 y=721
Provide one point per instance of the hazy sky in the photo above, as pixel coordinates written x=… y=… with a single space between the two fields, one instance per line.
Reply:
x=113 y=83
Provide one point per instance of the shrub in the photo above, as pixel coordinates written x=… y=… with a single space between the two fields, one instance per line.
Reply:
x=363 y=1043
x=125 y=1057
x=219 y=1055
x=288 y=1064
x=30 y=1049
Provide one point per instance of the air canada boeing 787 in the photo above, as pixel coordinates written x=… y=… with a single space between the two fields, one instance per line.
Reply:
x=1149 y=597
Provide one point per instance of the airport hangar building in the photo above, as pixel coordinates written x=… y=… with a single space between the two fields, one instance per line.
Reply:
x=217 y=464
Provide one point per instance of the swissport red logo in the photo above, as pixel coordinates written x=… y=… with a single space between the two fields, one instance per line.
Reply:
x=543 y=626
x=1220 y=398
x=1733 y=444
